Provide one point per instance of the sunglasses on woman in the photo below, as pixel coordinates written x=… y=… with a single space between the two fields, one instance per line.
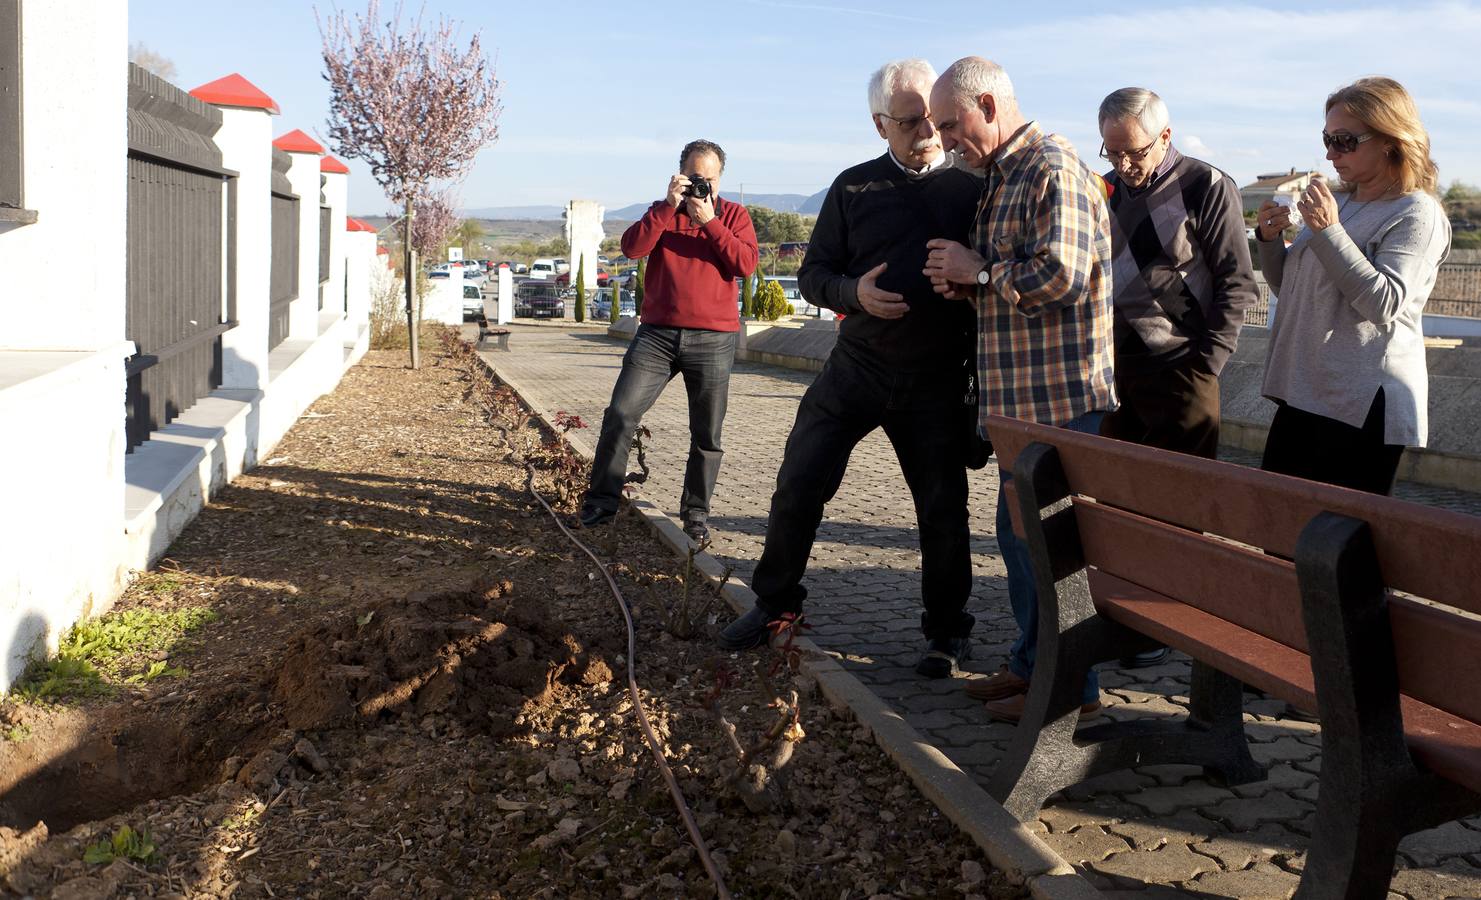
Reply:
x=1343 y=142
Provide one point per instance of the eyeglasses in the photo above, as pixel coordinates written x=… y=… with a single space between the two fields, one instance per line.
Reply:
x=1115 y=156
x=1343 y=142
x=907 y=124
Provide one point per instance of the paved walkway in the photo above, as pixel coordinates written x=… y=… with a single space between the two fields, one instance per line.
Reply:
x=1134 y=831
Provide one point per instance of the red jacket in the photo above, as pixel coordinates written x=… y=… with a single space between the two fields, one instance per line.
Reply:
x=690 y=279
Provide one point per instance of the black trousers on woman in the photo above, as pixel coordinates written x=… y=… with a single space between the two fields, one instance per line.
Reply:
x=1317 y=448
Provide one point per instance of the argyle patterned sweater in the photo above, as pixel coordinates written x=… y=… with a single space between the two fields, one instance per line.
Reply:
x=1182 y=272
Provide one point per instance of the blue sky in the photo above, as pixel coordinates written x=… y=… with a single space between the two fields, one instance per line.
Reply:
x=598 y=97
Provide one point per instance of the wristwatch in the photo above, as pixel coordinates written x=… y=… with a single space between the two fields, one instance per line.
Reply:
x=984 y=273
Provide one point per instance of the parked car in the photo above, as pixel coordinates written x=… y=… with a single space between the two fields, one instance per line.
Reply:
x=543 y=268
x=562 y=264
x=791 y=248
x=472 y=301
x=603 y=260
x=538 y=300
x=601 y=305
x=517 y=268
x=564 y=278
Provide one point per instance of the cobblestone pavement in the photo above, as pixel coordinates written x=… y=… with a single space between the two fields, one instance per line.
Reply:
x=1154 y=831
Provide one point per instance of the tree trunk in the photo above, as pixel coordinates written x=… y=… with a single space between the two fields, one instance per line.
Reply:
x=409 y=270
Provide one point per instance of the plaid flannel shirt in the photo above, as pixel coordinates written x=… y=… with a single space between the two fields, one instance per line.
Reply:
x=1045 y=350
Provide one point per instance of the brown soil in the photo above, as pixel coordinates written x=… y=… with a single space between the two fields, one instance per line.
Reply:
x=415 y=686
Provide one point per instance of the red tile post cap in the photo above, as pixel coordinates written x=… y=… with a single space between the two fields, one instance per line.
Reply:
x=234 y=90
x=296 y=141
x=330 y=164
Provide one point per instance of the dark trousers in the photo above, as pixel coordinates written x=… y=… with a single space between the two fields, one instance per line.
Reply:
x=921 y=415
x=1174 y=408
x=656 y=355
x=1317 y=448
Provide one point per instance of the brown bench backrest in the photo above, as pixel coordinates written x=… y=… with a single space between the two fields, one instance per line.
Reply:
x=1151 y=508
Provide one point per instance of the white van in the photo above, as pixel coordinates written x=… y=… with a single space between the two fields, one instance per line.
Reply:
x=542 y=269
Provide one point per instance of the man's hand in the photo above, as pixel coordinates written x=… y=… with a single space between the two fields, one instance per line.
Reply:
x=878 y=303
x=677 y=184
x=953 y=262
x=701 y=211
x=951 y=290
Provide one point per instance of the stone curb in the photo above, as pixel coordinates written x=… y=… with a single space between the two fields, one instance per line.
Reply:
x=1010 y=847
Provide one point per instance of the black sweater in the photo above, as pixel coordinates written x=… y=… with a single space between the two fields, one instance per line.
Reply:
x=875 y=213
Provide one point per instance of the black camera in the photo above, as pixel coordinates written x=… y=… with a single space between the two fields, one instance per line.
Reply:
x=698 y=188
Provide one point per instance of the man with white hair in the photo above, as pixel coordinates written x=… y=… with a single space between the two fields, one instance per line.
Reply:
x=1183 y=281
x=1039 y=271
x=897 y=365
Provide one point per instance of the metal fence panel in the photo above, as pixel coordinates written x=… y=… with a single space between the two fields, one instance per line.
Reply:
x=176 y=259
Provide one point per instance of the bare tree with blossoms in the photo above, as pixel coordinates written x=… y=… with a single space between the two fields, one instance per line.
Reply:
x=413 y=103
x=436 y=218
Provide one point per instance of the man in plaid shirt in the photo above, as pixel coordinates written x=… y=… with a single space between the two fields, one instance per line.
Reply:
x=1039 y=273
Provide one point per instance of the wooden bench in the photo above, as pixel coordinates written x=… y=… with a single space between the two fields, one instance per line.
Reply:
x=1275 y=582
x=484 y=332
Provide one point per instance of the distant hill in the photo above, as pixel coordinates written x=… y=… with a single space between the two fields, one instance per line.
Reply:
x=798 y=203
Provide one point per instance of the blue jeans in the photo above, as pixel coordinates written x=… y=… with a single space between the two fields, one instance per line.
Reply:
x=1022 y=594
x=658 y=353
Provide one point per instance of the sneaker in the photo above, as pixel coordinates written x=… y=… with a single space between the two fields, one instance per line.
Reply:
x=697 y=532
x=591 y=516
x=1010 y=709
x=1144 y=660
x=943 y=656
x=750 y=630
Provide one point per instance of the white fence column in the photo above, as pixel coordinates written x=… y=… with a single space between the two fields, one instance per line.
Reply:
x=245 y=140
x=303 y=316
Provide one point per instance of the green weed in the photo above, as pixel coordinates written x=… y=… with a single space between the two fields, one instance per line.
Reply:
x=17 y=734
x=126 y=843
x=93 y=653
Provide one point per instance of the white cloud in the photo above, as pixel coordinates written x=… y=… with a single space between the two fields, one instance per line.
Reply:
x=1193 y=145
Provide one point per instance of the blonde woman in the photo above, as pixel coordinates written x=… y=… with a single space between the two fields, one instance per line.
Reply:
x=1346 y=364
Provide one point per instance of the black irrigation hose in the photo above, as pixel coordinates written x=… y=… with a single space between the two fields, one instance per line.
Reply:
x=654 y=745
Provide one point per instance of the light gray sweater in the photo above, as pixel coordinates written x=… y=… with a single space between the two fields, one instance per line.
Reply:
x=1351 y=313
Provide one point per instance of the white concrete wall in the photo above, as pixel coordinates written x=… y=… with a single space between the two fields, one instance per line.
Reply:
x=303 y=314
x=61 y=463
x=75 y=138
x=444 y=303
x=245 y=140
x=361 y=265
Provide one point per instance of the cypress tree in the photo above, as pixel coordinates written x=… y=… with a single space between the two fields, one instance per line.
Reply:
x=638 y=294
x=581 y=289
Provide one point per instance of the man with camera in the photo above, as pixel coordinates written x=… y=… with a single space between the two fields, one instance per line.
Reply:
x=898 y=364
x=697 y=245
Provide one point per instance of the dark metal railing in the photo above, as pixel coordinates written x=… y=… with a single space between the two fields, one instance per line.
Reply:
x=324 y=222
x=179 y=222
x=283 y=267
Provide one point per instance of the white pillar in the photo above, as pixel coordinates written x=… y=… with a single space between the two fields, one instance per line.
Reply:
x=506 y=295
x=336 y=192
x=245 y=140
x=359 y=259
x=303 y=175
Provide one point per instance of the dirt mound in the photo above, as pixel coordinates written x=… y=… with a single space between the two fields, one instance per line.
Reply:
x=476 y=654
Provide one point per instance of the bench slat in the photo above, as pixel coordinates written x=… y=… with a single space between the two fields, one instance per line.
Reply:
x=1269 y=665
x=1421 y=550
x=1448 y=745
x=1438 y=651
x=1238 y=585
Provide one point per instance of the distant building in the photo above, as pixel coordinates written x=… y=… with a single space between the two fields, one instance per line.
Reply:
x=1267 y=187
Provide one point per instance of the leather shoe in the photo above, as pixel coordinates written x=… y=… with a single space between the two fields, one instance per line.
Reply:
x=750 y=630
x=592 y=516
x=1010 y=709
x=996 y=686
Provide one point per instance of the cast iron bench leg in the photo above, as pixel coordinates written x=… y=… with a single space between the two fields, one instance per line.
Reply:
x=1045 y=755
x=1371 y=794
